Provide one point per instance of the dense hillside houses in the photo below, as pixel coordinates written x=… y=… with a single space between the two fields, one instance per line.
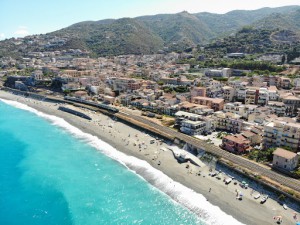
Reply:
x=248 y=109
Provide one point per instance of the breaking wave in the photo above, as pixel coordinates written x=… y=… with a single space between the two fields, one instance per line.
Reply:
x=195 y=202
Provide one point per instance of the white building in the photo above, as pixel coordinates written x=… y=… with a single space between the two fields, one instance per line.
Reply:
x=284 y=159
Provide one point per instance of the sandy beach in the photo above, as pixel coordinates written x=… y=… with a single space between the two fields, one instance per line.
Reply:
x=137 y=143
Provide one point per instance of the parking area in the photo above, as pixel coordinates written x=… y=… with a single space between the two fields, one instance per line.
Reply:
x=213 y=138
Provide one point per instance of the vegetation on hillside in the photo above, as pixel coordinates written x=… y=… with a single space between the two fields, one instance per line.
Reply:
x=269 y=32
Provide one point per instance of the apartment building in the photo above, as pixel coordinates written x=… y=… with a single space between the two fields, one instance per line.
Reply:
x=280 y=133
x=257 y=96
x=228 y=93
x=228 y=121
x=273 y=93
x=126 y=84
x=193 y=124
x=251 y=96
x=271 y=80
x=284 y=83
x=225 y=72
x=278 y=108
x=235 y=107
x=291 y=105
x=263 y=96
x=198 y=91
x=192 y=127
x=240 y=94
x=216 y=104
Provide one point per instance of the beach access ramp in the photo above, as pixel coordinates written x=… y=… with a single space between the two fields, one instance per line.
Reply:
x=184 y=156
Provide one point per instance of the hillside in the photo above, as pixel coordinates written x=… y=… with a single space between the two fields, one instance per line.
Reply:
x=271 y=34
x=232 y=21
x=181 y=29
x=168 y=32
x=112 y=37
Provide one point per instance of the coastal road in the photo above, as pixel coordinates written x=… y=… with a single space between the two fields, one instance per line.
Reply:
x=240 y=161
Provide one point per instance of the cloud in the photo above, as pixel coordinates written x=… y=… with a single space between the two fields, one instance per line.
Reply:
x=2 y=36
x=21 y=31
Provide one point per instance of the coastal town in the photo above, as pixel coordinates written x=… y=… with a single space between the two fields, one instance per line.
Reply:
x=150 y=112
x=253 y=116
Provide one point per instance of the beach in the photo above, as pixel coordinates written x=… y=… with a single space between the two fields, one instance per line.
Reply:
x=139 y=144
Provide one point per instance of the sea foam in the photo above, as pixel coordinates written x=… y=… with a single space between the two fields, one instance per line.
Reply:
x=195 y=202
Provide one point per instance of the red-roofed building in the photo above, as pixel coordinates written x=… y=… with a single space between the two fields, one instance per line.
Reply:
x=236 y=144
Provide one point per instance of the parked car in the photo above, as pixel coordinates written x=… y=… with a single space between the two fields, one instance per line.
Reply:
x=264 y=199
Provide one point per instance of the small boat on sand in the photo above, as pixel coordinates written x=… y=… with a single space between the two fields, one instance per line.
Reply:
x=284 y=206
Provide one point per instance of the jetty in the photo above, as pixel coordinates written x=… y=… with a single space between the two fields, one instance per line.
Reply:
x=74 y=112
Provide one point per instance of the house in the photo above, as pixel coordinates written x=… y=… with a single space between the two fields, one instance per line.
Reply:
x=255 y=139
x=284 y=159
x=236 y=144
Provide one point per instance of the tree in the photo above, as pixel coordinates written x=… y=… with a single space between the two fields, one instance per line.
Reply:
x=160 y=82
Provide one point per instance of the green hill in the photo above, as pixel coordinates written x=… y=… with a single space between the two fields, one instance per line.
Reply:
x=170 y=32
x=122 y=36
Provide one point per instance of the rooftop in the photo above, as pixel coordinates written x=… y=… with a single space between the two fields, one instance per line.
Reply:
x=284 y=153
x=237 y=139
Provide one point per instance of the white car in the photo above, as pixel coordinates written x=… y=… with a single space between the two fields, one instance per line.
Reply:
x=228 y=180
x=257 y=196
x=264 y=199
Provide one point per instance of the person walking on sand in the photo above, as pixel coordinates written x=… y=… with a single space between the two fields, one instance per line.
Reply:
x=209 y=189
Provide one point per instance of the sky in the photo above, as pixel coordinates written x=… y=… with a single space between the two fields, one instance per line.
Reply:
x=19 y=18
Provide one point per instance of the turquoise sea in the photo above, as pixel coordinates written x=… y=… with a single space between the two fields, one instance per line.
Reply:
x=52 y=173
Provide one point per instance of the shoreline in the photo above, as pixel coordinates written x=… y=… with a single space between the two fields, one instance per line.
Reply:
x=247 y=211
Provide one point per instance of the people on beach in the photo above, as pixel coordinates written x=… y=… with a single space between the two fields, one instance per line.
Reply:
x=295 y=216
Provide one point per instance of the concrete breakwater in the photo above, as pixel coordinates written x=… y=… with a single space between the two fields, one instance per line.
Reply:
x=74 y=112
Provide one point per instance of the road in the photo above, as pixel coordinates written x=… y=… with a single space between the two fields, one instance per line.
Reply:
x=240 y=161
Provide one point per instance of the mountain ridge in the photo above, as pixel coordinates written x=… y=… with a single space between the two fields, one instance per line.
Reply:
x=168 y=32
